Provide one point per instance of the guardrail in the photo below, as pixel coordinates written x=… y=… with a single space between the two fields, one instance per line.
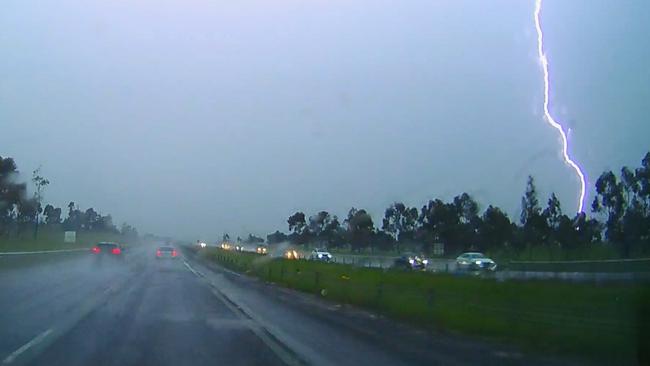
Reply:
x=600 y=266
x=44 y=251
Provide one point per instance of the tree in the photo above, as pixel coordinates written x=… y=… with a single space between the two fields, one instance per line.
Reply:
x=360 y=228
x=535 y=230
x=610 y=201
x=129 y=231
x=529 y=202
x=89 y=219
x=225 y=238
x=74 y=220
x=252 y=239
x=439 y=224
x=400 y=222
x=626 y=205
x=317 y=222
x=565 y=233
x=469 y=222
x=588 y=231
x=553 y=217
x=27 y=210
x=276 y=237
x=577 y=232
x=496 y=230
x=105 y=223
x=52 y=215
x=383 y=240
x=643 y=180
x=553 y=212
x=40 y=183
x=297 y=223
x=332 y=233
x=298 y=227
x=11 y=194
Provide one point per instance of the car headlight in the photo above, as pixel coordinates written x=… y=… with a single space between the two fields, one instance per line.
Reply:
x=425 y=261
x=411 y=261
x=320 y=256
x=478 y=262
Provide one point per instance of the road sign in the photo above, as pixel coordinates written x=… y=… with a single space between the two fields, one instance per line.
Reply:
x=438 y=249
x=70 y=237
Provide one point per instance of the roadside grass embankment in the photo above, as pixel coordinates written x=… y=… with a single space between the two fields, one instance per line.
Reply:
x=52 y=239
x=607 y=322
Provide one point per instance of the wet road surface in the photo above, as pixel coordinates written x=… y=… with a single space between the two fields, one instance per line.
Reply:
x=78 y=309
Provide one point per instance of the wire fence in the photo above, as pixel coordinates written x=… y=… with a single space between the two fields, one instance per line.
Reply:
x=608 y=319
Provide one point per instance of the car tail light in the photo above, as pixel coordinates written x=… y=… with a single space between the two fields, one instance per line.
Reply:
x=158 y=253
x=173 y=253
x=96 y=250
x=116 y=251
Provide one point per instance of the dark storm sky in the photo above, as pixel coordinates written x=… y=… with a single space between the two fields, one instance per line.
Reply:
x=191 y=118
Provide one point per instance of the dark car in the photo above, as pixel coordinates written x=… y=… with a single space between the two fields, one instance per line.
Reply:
x=410 y=262
x=166 y=252
x=108 y=249
x=320 y=255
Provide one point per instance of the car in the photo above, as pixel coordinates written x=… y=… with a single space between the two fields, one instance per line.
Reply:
x=320 y=255
x=411 y=261
x=262 y=249
x=475 y=261
x=166 y=252
x=108 y=249
x=291 y=254
x=239 y=248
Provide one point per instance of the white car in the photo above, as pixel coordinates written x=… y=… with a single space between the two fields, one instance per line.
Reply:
x=475 y=261
x=320 y=255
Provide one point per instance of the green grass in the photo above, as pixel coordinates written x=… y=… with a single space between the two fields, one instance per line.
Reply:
x=52 y=239
x=603 y=321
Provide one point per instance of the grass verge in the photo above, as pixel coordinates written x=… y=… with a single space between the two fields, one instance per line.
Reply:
x=52 y=239
x=606 y=322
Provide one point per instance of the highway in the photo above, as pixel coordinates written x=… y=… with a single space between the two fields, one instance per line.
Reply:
x=73 y=309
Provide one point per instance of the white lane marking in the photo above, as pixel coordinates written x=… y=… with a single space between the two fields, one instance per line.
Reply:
x=270 y=340
x=196 y=273
x=38 y=339
x=44 y=251
x=254 y=325
x=230 y=271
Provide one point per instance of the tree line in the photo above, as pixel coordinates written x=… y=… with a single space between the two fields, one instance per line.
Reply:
x=20 y=212
x=620 y=216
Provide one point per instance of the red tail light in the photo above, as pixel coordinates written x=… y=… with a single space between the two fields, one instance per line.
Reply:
x=116 y=251
x=158 y=253
x=173 y=253
x=96 y=250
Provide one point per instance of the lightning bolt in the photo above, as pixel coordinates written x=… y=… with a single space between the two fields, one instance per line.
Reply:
x=547 y=114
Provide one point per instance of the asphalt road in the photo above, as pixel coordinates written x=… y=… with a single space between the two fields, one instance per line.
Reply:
x=76 y=310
